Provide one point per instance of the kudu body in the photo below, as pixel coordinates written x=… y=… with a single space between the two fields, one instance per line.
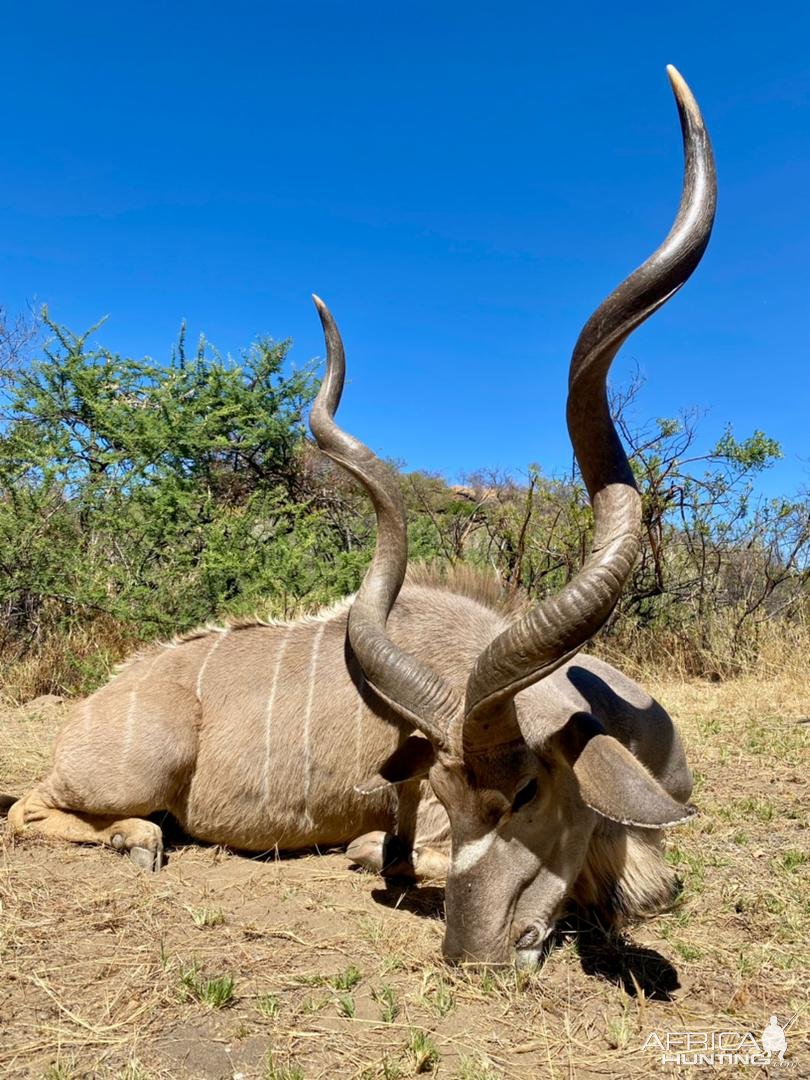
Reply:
x=423 y=725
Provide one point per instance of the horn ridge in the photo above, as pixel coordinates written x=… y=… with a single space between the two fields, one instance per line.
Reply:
x=555 y=630
x=409 y=686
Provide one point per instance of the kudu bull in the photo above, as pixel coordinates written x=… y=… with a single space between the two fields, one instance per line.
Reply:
x=526 y=775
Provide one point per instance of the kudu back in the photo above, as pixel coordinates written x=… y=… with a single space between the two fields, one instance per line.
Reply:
x=424 y=725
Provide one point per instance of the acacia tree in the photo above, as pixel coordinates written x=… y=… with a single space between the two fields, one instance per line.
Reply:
x=712 y=549
x=137 y=499
x=715 y=561
x=16 y=337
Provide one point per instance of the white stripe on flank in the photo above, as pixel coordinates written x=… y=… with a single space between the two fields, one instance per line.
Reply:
x=313 y=665
x=268 y=713
x=469 y=855
x=223 y=634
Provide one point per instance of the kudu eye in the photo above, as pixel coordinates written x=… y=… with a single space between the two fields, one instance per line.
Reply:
x=525 y=795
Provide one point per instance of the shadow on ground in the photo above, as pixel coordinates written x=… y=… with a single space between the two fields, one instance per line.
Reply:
x=637 y=970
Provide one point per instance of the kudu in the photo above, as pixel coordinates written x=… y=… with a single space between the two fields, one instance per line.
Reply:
x=526 y=775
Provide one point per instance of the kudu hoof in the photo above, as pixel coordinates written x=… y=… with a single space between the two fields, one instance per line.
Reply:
x=143 y=844
x=146 y=859
x=368 y=851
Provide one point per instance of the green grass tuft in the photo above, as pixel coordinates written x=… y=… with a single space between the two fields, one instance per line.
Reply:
x=215 y=993
x=422 y=1051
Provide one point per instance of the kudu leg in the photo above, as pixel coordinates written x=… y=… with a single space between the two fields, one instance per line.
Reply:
x=122 y=756
x=142 y=840
x=387 y=854
x=418 y=849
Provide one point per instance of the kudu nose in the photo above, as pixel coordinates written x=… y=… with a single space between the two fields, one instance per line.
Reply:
x=530 y=938
x=530 y=945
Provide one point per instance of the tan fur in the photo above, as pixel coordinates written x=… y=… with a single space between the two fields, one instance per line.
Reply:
x=624 y=876
x=183 y=727
x=253 y=734
x=476 y=583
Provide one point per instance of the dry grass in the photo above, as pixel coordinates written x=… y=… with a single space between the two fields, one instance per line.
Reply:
x=59 y=660
x=713 y=647
x=51 y=658
x=223 y=966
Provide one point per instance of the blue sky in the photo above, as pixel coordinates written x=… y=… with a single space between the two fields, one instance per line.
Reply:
x=462 y=183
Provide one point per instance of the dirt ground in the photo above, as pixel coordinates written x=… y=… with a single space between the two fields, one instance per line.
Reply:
x=225 y=966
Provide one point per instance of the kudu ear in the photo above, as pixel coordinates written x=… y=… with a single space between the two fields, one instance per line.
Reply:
x=616 y=785
x=410 y=761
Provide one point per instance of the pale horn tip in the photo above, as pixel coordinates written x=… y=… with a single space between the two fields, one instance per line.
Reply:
x=675 y=76
x=319 y=304
x=680 y=89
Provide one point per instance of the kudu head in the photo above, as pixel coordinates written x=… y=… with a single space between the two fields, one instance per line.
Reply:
x=522 y=802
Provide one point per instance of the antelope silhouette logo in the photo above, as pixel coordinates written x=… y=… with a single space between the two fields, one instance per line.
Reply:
x=774 y=1040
